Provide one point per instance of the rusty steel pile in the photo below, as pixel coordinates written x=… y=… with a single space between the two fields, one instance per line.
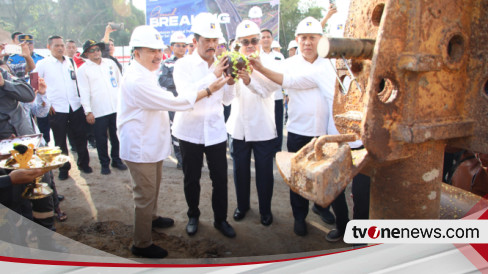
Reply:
x=413 y=79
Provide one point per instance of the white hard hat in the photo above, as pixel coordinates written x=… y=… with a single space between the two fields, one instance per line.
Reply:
x=190 y=39
x=206 y=25
x=222 y=40
x=255 y=12
x=275 y=44
x=292 y=44
x=146 y=37
x=309 y=25
x=246 y=28
x=178 y=37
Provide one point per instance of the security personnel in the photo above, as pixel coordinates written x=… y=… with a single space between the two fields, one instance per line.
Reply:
x=202 y=129
x=310 y=112
x=178 y=47
x=143 y=129
x=252 y=127
x=99 y=85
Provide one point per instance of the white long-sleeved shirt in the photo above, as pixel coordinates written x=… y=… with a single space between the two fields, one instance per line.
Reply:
x=99 y=87
x=204 y=124
x=272 y=60
x=252 y=116
x=61 y=88
x=142 y=115
x=311 y=95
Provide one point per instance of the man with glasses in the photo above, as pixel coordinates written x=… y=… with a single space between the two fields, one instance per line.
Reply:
x=66 y=110
x=178 y=47
x=99 y=83
x=252 y=127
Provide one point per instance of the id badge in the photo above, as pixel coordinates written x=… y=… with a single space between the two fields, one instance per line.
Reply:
x=114 y=82
x=73 y=74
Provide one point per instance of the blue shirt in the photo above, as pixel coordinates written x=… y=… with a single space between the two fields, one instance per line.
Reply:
x=17 y=64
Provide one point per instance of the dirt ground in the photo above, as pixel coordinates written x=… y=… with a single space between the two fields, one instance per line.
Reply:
x=100 y=214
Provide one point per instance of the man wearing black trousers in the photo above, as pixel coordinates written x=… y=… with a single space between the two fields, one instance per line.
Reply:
x=201 y=130
x=66 y=110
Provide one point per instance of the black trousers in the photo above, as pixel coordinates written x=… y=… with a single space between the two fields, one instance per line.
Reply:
x=263 y=156
x=360 y=196
x=279 y=124
x=300 y=205
x=76 y=121
x=44 y=128
x=104 y=124
x=192 y=155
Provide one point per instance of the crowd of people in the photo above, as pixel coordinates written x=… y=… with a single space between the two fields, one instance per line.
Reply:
x=177 y=97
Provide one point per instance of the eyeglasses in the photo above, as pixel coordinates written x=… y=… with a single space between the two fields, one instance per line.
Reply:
x=246 y=42
x=179 y=45
x=221 y=46
x=93 y=50
x=190 y=45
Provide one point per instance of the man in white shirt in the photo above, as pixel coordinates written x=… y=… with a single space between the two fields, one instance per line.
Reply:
x=201 y=130
x=144 y=132
x=252 y=127
x=99 y=83
x=66 y=111
x=272 y=59
x=310 y=112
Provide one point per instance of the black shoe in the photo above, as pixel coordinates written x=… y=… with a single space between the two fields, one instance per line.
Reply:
x=334 y=235
x=266 y=219
x=63 y=175
x=225 y=228
x=105 y=170
x=192 y=226
x=162 y=222
x=119 y=165
x=152 y=251
x=60 y=197
x=326 y=216
x=179 y=166
x=239 y=215
x=300 y=228
x=86 y=170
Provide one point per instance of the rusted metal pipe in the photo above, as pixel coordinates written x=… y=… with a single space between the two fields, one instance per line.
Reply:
x=348 y=48
x=409 y=188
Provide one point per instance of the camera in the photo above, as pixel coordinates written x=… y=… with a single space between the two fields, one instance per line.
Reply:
x=117 y=26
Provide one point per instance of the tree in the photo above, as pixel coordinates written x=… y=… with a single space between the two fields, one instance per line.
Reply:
x=79 y=20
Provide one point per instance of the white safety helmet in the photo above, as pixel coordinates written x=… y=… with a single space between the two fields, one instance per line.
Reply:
x=206 y=25
x=178 y=37
x=309 y=25
x=275 y=44
x=146 y=37
x=246 y=28
x=190 y=39
x=292 y=44
x=255 y=12
x=222 y=40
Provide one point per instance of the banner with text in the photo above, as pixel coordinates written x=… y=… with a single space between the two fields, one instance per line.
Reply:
x=168 y=16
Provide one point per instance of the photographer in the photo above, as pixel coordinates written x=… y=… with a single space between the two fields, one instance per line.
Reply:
x=22 y=64
x=109 y=48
